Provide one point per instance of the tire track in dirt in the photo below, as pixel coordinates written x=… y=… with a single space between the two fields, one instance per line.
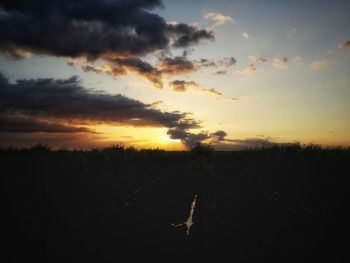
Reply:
x=127 y=199
x=292 y=206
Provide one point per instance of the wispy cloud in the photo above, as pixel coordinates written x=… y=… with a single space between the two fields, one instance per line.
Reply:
x=181 y=86
x=246 y=72
x=220 y=141
x=259 y=58
x=240 y=144
x=220 y=72
x=345 y=44
x=245 y=35
x=223 y=63
x=291 y=32
x=212 y=91
x=218 y=19
x=280 y=63
x=318 y=64
x=297 y=60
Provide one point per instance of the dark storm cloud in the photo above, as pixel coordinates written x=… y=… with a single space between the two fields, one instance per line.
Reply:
x=91 y=28
x=217 y=139
x=219 y=135
x=67 y=99
x=187 y=35
x=24 y=124
x=188 y=138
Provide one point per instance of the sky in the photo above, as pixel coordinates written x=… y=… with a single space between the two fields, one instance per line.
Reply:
x=168 y=74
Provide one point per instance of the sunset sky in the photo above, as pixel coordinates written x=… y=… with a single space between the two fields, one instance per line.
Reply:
x=168 y=74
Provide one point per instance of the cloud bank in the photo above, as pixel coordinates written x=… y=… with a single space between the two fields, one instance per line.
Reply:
x=104 y=28
x=61 y=110
x=66 y=99
x=118 y=34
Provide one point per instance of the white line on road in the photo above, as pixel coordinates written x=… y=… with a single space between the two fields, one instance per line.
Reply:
x=189 y=222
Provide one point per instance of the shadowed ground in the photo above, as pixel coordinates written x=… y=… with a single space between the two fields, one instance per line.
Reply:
x=118 y=206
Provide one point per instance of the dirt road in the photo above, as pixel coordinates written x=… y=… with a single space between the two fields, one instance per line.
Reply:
x=234 y=217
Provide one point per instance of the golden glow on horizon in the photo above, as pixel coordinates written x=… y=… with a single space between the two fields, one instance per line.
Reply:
x=150 y=137
x=139 y=137
x=166 y=139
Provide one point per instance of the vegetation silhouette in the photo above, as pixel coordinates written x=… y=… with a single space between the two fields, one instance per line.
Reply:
x=203 y=158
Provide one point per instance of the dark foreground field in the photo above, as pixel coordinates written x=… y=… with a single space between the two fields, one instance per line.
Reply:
x=281 y=204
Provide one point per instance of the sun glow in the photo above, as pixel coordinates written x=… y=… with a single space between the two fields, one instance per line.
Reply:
x=139 y=137
x=165 y=139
